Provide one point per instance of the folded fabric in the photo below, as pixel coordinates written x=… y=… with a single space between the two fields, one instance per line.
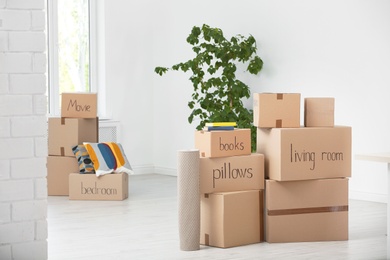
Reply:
x=83 y=159
x=108 y=157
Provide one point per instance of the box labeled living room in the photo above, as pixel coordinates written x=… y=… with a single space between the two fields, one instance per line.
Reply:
x=305 y=152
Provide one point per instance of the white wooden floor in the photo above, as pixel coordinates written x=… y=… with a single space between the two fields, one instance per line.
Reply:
x=145 y=227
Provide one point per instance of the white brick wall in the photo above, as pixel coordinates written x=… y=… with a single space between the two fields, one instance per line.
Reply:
x=38 y=20
x=3 y=41
x=5 y=169
x=5 y=127
x=11 y=105
x=26 y=41
x=15 y=20
x=3 y=83
x=27 y=83
x=23 y=128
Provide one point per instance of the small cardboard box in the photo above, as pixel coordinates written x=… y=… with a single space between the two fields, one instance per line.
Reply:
x=79 y=105
x=58 y=170
x=106 y=187
x=231 y=219
x=276 y=109
x=223 y=143
x=233 y=173
x=319 y=112
x=64 y=133
x=306 y=211
x=305 y=153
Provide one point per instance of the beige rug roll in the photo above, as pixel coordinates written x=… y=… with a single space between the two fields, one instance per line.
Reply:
x=188 y=199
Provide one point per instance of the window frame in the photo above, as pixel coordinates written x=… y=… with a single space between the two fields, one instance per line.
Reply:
x=96 y=56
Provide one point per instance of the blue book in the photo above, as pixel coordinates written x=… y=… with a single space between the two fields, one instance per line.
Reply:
x=220 y=128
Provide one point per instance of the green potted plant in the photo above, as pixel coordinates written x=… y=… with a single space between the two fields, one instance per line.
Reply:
x=218 y=94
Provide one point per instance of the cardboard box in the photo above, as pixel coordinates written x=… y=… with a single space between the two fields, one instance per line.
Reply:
x=319 y=112
x=223 y=143
x=305 y=153
x=106 y=187
x=58 y=170
x=233 y=173
x=231 y=219
x=276 y=110
x=305 y=211
x=79 y=105
x=64 y=133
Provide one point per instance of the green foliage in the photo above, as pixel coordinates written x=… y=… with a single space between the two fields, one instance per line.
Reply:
x=217 y=92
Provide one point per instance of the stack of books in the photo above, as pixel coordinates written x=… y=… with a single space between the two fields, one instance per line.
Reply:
x=220 y=126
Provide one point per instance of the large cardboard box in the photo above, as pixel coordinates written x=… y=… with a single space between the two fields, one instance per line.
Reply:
x=233 y=173
x=276 y=109
x=223 y=143
x=106 y=187
x=303 y=211
x=79 y=105
x=64 y=133
x=305 y=153
x=58 y=170
x=231 y=219
x=319 y=112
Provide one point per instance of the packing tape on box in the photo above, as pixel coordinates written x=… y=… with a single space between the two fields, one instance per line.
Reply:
x=281 y=212
x=188 y=199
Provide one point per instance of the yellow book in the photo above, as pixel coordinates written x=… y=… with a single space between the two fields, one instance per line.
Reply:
x=222 y=124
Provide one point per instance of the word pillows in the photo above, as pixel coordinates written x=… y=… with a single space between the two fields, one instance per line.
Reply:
x=108 y=157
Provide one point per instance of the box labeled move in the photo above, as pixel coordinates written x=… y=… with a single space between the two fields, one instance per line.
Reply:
x=305 y=211
x=223 y=143
x=231 y=219
x=64 y=133
x=276 y=109
x=319 y=112
x=79 y=105
x=305 y=153
x=233 y=173
x=58 y=170
x=106 y=187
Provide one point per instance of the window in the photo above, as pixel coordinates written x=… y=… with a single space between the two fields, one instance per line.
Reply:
x=74 y=50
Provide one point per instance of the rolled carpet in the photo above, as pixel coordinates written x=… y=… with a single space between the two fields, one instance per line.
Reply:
x=188 y=199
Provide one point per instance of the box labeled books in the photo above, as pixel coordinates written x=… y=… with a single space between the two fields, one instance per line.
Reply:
x=223 y=143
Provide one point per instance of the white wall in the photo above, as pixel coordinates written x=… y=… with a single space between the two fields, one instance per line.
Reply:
x=23 y=128
x=128 y=76
x=318 y=48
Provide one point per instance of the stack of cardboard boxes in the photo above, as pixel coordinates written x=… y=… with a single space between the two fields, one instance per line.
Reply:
x=306 y=168
x=78 y=123
x=231 y=187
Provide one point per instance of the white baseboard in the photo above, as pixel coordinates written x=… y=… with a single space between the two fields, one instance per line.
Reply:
x=374 y=197
x=150 y=168
x=165 y=171
x=143 y=169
